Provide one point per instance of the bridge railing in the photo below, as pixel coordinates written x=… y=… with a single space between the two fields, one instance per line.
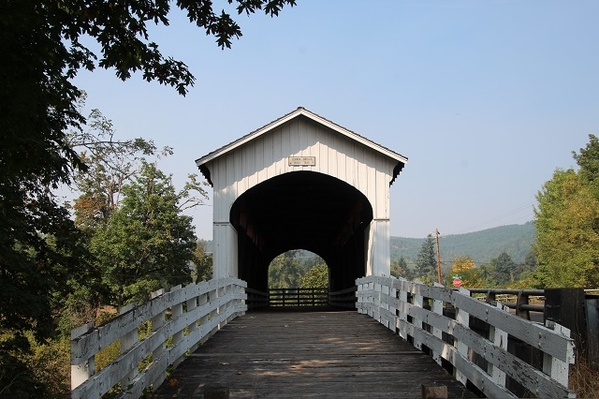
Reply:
x=180 y=320
x=301 y=297
x=298 y=297
x=419 y=314
x=344 y=298
x=521 y=301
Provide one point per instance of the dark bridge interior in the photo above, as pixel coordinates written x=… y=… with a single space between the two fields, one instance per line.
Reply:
x=306 y=210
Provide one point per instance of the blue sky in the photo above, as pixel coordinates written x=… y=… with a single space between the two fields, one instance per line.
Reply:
x=485 y=98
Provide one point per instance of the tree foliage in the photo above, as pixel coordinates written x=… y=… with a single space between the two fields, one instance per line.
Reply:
x=316 y=277
x=500 y=271
x=465 y=268
x=110 y=162
x=296 y=268
x=202 y=261
x=400 y=268
x=567 y=221
x=426 y=263
x=148 y=244
x=285 y=271
x=516 y=240
x=42 y=47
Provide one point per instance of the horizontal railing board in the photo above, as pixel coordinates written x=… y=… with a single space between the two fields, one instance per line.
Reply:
x=532 y=333
x=92 y=342
x=451 y=354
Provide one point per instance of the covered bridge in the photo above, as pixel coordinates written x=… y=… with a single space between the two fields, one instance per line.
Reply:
x=301 y=182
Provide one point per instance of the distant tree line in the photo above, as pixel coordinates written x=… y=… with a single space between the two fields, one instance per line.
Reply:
x=565 y=252
x=501 y=271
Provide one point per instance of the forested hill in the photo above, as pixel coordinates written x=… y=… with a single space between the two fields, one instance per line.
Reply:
x=482 y=246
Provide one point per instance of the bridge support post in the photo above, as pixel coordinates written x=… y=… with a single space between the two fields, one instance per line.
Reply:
x=225 y=252
x=379 y=252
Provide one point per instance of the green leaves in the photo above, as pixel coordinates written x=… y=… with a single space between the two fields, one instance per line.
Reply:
x=41 y=251
x=316 y=277
x=147 y=244
x=566 y=219
x=426 y=262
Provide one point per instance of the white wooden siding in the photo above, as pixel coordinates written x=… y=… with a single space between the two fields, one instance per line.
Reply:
x=267 y=156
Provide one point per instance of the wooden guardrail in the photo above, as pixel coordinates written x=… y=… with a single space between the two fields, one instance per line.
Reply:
x=344 y=298
x=339 y=299
x=521 y=301
x=180 y=320
x=415 y=311
x=256 y=299
x=298 y=297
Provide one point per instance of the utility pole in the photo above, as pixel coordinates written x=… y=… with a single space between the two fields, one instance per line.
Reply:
x=438 y=258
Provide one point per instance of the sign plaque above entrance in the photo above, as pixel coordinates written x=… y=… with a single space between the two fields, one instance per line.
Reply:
x=302 y=161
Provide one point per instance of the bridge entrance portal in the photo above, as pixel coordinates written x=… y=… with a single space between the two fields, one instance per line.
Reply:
x=301 y=181
x=307 y=210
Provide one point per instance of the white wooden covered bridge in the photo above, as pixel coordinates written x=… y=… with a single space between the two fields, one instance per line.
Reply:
x=301 y=182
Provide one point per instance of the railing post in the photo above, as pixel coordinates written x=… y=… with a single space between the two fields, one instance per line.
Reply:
x=522 y=299
x=203 y=300
x=220 y=292
x=377 y=299
x=553 y=367
x=384 y=303
x=177 y=311
x=393 y=306
x=437 y=307
x=418 y=300
x=403 y=316
x=214 y=314
x=157 y=322
x=500 y=340
x=359 y=297
x=81 y=372
x=127 y=342
x=462 y=317
x=192 y=304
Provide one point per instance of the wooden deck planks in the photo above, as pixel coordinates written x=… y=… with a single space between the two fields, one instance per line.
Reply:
x=307 y=354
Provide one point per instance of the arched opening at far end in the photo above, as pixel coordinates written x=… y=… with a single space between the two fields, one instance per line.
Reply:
x=298 y=278
x=298 y=269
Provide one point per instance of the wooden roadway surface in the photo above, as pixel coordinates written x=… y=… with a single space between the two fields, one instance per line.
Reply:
x=332 y=354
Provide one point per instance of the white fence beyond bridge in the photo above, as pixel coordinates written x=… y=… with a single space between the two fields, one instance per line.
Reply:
x=416 y=312
x=183 y=317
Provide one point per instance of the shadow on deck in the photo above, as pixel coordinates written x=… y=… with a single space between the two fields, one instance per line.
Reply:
x=325 y=354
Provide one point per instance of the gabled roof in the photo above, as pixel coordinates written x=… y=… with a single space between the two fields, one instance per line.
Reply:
x=300 y=111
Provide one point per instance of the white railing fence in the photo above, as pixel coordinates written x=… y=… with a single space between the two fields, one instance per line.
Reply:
x=415 y=311
x=181 y=319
